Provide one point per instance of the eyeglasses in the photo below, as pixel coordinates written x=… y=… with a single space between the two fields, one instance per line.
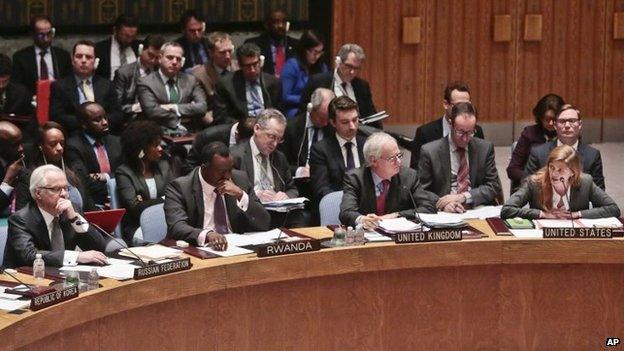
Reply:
x=274 y=138
x=461 y=133
x=350 y=67
x=251 y=65
x=394 y=158
x=563 y=122
x=42 y=35
x=56 y=189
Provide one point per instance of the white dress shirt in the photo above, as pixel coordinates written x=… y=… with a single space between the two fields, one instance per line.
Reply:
x=70 y=257
x=115 y=60
x=574 y=146
x=356 y=156
x=339 y=90
x=48 y=60
x=556 y=198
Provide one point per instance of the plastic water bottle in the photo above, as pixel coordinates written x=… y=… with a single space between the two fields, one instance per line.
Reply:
x=350 y=239
x=359 y=235
x=93 y=279
x=339 y=236
x=38 y=269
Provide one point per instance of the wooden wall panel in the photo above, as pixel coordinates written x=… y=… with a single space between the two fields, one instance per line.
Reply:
x=614 y=66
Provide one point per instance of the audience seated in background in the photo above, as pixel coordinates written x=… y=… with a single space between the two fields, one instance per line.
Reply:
x=15 y=99
x=560 y=190
x=143 y=178
x=192 y=41
x=454 y=93
x=120 y=49
x=50 y=226
x=568 y=124
x=168 y=96
x=83 y=86
x=382 y=188
x=93 y=152
x=275 y=44
x=11 y=164
x=460 y=169
x=298 y=69
x=213 y=200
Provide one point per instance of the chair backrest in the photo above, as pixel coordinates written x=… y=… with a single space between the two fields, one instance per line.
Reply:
x=43 y=101
x=3 y=241
x=153 y=224
x=329 y=208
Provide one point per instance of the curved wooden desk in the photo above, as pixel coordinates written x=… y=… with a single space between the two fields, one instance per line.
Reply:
x=493 y=293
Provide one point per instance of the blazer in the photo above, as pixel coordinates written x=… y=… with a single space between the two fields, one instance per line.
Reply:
x=134 y=193
x=435 y=170
x=295 y=145
x=327 y=166
x=153 y=93
x=580 y=197
x=184 y=208
x=294 y=80
x=125 y=84
x=18 y=101
x=264 y=43
x=188 y=61
x=25 y=66
x=64 y=101
x=103 y=52
x=232 y=100
x=591 y=161
x=28 y=236
x=429 y=132
x=282 y=179
x=359 y=195
x=220 y=132
x=531 y=136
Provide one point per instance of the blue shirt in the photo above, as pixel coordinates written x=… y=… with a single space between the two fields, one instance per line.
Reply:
x=294 y=80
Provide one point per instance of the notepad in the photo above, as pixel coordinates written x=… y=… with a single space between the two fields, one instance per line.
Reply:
x=231 y=251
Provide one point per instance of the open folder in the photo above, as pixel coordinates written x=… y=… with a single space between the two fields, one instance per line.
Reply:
x=107 y=219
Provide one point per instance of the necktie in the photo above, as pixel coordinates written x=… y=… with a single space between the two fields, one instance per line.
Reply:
x=100 y=153
x=56 y=240
x=350 y=160
x=88 y=90
x=220 y=219
x=560 y=204
x=256 y=100
x=2 y=100
x=174 y=97
x=381 y=199
x=122 y=57
x=463 y=173
x=265 y=182
x=344 y=88
x=43 y=66
x=315 y=135
x=224 y=72
x=280 y=59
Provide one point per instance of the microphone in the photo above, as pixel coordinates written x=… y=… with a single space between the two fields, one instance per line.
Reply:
x=120 y=243
x=31 y=292
x=416 y=214
x=277 y=240
x=567 y=198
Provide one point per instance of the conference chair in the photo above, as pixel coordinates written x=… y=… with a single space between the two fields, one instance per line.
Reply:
x=153 y=223
x=329 y=208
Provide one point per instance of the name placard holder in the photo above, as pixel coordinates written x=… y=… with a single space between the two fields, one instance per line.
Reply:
x=53 y=298
x=428 y=236
x=577 y=233
x=288 y=248
x=162 y=268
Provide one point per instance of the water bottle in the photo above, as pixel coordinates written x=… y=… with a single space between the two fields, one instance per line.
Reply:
x=38 y=269
x=93 y=279
x=339 y=236
x=350 y=238
x=359 y=235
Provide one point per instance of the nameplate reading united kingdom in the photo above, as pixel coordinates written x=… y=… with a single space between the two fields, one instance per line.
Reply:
x=49 y=299
x=429 y=236
x=289 y=248
x=162 y=268
x=578 y=233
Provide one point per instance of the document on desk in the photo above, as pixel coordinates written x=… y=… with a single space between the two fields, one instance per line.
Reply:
x=231 y=251
x=442 y=219
x=152 y=252
x=117 y=271
x=610 y=222
x=554 y=223
x=293 y=201
x=398 y=225
x=254 y=238
x=375 y=237
x=6 y=296
x=527 y=233
x=482 y=212
x=12 y=305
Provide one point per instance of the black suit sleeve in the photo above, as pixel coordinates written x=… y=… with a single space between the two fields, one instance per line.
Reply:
x=176 y=214
x=349 y=207
x=21 y=242
x=596 y=171
x=416 y=146
x=319 y=173
x=62 y=109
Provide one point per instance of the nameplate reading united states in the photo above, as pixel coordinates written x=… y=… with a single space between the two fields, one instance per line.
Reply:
x=429 y=236
x=289 y=248
x=578 y=233
x=162 y=268
x=47 y=300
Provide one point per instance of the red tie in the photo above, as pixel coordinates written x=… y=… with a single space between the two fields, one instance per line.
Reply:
x=280 y=59
x=560 y=204
x=381 y=199
x=102 y=158
x=463 y=177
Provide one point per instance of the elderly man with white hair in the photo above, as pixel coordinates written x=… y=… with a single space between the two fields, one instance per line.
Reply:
x=382 y=189
x=50 y=226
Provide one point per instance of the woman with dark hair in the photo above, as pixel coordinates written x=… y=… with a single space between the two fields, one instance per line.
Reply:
x=49 y=148
x=298 y=69
x=142 y=179
x=545 y=112
x=560 y=190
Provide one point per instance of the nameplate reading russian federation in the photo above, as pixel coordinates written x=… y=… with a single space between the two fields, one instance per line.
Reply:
x=162 y=268
x=289 y=248
x=49 y=299
x=429 y=236
x=578 y=233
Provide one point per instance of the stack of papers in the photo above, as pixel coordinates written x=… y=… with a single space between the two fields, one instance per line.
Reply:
x=375 y=237
x=153 y=252
x=610 y=222
x=255 y=238
x=285 y=205
x=442 y=220
x=115 y=269
x=231 y=251
x=12 y=302
x=398 y=225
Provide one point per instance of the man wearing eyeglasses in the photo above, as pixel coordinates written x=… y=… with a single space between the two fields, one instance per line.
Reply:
x=460 y=169
x=383 y=188
x=50 y=226
x=568 y=124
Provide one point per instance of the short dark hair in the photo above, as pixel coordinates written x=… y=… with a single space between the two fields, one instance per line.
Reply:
x=188 y=15
x=124 y=20
x=548 y=102
x=211 y=149
x=456 y=85
x=82 y=42
x=5 y=65
x=38 y=18
x=154 y=41
x=215 y=37
x=47 y=126
x=566 y=107
x=341 y=103
x=247 y=50
x=269 y=13
x=83 y=111
x=136 y=137
x=462 y=108
x=245 y=127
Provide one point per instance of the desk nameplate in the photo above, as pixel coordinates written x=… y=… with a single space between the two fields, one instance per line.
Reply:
x=287 y=248
x=162 y=268
x=428 y=236
x=578 y=233
x=53 y=298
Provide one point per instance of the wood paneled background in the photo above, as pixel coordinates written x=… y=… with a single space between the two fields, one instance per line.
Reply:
x=577 y=57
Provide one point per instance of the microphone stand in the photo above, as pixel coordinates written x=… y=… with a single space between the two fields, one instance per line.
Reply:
x=143 y=263
x=416 y=214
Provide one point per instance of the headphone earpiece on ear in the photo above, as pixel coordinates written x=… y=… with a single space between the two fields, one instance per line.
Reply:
x=338 y=60
x=262 y=58
x=183 y=61
x=309 y=107
x=203 y=26
x=141 y=154
x=140 y=49
x=53 y=32
x=96 y=63
x=287 y=26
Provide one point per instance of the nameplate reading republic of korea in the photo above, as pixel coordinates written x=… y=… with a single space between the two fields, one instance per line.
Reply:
x=578 y=233
x=428 y=236
x=49 y=299
x=162 y=268
x=289 y=248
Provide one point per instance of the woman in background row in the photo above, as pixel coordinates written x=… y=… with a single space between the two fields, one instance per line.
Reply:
x=560 y=190
x=298 y=69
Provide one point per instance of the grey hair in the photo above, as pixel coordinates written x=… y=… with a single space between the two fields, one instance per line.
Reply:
x=344 y=51
x=318 y=96
x=173 y=44
x=373 y=145
x=216 y=37
x=39 y=177
x=267 y=114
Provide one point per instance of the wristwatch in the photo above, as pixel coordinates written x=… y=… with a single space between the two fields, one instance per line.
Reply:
x=76 y=220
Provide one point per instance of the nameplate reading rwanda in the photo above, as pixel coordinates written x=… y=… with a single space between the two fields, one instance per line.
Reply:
x=289 y=248
x=47 y=300
x=162 y=268
x=578 y=233
x=429 y=236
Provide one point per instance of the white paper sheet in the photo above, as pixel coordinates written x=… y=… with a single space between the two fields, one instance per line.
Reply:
x=441 y=218
x=398 y=225
x=527 y=233
x=610 y=222
x=12 y=305
x=554 y=223
x=375 y=237
x=482 y=212
x=231 y=251
x=117 y=271
x=152 y=252
x=293 y=201
x=255 y=238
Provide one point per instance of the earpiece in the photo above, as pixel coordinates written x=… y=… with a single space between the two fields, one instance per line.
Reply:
x=183 y=61
x=287 y=26
x=140 y=49
x=141 y=154
x=338 y=60
x=203 y=26
x=309 y=107
x=96 y=63
x=53 y=32
x=262 y=60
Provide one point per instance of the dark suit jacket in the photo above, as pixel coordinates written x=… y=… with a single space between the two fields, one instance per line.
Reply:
x=18 y=102
x=428 y=133
x=359 y=195
x=64 y=101
x=580 y=197
x=219 y=132
x=25 y=66
x=327 y=167
x=28 y=235
x=295 y=145
x=282 y=179
x=103 y=52
x=4 y=199
x=184 y=208
x=231 y=101
x=264 y=43
x=435 y=170
x=188 y=62
x=125 y=84
x=531 y=136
